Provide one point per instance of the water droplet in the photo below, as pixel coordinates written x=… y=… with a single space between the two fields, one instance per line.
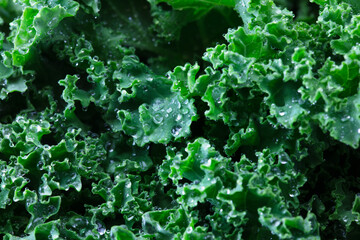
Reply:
x=169 y=110
x=185 y=111
x=156 y=105
x=178 y=117
x=38 y=128
x=344 y=119
x=52 y=22
x=176 y=130
x=282 y=113
x=158 y=118
x=101 y=230
x=293 y=193
x=277 y=223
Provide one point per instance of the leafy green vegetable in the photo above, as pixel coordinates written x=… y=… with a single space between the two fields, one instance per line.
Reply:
x=165 y=119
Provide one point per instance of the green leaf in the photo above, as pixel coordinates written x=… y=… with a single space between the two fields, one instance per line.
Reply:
x=119 y=233
x=35 y=23
x=42 y=210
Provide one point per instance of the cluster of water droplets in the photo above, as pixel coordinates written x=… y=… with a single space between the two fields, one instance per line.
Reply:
x=171 y=111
